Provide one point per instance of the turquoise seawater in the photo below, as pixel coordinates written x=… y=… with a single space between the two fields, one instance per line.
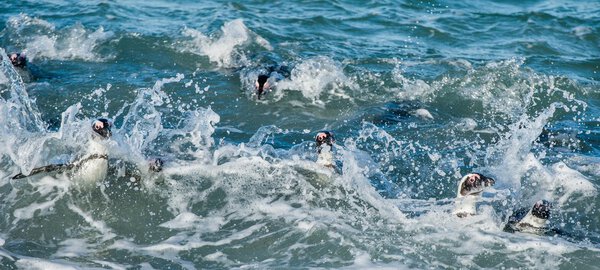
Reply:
x=417 y=93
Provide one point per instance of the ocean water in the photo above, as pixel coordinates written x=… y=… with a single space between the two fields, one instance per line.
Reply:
x=417 y=93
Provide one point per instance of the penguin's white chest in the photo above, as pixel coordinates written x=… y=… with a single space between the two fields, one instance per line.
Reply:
x=92 y=171
x=93 y=167
x=531 y=221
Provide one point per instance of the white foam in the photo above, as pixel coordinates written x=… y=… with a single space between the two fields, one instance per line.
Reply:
x=581 y=31
x=411 y=89
x=217 y=257
x=226 y=50
x=100 y=226
x=50 y=190
x=3 y=79
x=24 y=129
x=189 y=220
x=75 y=42
x=181 y=221
x=305 y=226
x=41 y=264
x=423 y=113
x=574 y=185
x=363 y=260
x=175 y=243
x=466 y=124
x=473 y=235
x=513 y=152
x=116 y=266
x=74 y=248
x=586 y=164
x=461 y=63
x=142 y=124
x=314 y=77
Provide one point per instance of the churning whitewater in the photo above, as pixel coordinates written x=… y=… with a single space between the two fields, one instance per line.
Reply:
x=299 y=135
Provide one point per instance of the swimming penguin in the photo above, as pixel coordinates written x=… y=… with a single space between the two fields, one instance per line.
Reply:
x=92 y=167
x=325 y=141
x=532 y=220
x=469 y=191
x=136 y=175
x=155 y=165
x=18 y=59
x=394 y=112
x=320 y=173
x=262 y=85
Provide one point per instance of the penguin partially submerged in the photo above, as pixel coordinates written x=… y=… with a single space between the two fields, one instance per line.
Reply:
x=469 y=191
x=155 y=165
x=93 y=166
x=17 y=59
x=261 y=85
x=272 y=73
x=325 y=141
x=532 y=220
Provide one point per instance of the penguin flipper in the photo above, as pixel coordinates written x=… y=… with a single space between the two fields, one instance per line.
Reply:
x=45 y=169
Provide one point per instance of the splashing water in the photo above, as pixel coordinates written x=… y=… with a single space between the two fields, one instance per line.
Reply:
x=227 y=50
x=40 y=39
x=417 y=95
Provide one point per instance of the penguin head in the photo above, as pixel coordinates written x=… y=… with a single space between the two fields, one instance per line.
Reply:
x=536 y=218
x=156 y=164
x=17 y=59
x=101 y=127
x=324 y=138
x=474 y=183
x=541 y=209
